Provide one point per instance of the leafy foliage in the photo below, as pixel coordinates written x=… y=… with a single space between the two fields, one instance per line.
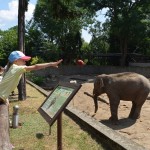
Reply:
x=55 y=30
x=35 y=79
x=8 y=43
x=128 y=25
x=61 y=22
x=36 y=60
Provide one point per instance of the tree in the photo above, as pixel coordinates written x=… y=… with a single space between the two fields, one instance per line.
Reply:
x=99 y=39
x=21 y=41
x=128 y=22
x=61 y=23
x=8 y=43
x=126 y=26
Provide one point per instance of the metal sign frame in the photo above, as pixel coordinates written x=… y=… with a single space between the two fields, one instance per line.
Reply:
x=57 y=100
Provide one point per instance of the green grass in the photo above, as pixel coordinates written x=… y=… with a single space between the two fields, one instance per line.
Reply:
x=33 y=133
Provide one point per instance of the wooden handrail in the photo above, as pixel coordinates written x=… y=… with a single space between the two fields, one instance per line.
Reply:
x=4 y=128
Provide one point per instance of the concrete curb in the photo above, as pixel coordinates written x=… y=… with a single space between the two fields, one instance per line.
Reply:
x=109 y=137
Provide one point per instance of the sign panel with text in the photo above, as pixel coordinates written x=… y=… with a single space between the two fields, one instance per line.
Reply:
x=58 y=99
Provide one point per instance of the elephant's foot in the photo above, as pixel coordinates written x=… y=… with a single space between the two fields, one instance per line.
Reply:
x=114 y=121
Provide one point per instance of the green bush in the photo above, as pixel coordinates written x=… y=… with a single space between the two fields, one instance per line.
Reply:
x=36 y=60
x=35 y=79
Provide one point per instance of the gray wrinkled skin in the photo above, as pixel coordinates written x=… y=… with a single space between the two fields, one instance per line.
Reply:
x=126 y=86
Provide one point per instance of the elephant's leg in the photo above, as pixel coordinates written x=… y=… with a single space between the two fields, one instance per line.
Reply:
x=136 y=107
x=132 y=109
x=136 y=113
x=114 y=103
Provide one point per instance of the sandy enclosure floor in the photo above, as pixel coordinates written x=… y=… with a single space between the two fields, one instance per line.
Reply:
x=138 y=131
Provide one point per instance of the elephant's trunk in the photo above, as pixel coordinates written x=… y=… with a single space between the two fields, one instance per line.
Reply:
x=95 y=102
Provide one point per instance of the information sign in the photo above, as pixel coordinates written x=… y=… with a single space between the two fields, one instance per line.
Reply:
x=57 y=100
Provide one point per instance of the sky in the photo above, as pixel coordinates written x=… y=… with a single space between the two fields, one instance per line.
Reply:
x=9 y=15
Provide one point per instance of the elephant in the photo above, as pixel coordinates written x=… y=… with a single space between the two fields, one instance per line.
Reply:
x=128 y=86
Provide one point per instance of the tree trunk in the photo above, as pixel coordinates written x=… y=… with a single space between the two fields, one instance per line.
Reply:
x=21 y=45
x=4 y=128
x=22 y=88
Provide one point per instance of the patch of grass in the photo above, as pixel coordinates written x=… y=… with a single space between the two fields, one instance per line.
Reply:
x=33 y=134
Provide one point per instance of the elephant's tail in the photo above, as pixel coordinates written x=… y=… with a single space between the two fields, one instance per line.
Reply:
x=95 y=100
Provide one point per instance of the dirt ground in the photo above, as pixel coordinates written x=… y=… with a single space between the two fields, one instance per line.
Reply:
x=138 y=131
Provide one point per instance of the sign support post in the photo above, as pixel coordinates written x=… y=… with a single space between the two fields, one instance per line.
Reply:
x=59 y=132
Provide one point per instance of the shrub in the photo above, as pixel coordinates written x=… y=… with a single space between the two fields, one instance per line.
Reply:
x=35 y=79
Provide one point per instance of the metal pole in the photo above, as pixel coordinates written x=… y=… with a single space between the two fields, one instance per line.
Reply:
x=59 y=132
x=15 y=118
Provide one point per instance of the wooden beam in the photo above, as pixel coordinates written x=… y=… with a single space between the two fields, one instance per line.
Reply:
x=4 y=128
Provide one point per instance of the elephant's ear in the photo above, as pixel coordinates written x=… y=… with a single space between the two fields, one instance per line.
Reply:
x=99 y=81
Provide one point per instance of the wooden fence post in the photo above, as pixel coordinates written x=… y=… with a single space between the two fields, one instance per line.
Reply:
x=4 y=128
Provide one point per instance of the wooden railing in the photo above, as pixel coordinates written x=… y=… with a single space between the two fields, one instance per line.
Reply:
x=4 y=128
